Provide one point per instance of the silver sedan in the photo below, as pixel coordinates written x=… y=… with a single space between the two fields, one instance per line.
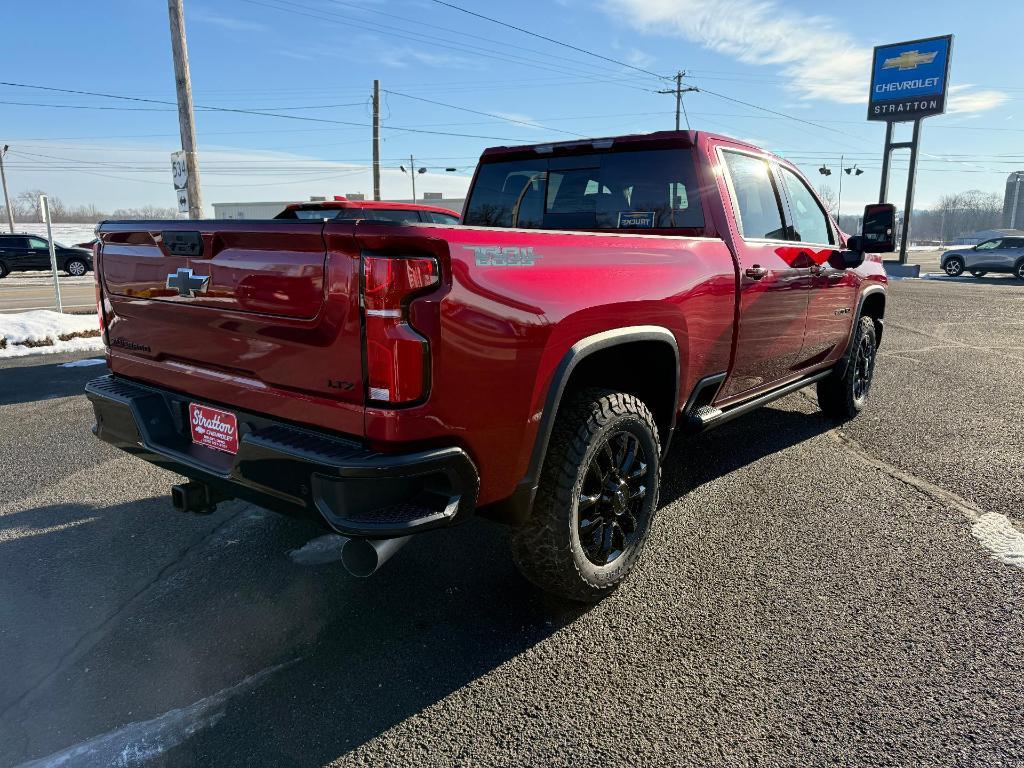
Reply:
x=1000 y=254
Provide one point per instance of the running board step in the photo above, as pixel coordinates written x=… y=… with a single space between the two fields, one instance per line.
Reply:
x=707 y=416
x=703 y=416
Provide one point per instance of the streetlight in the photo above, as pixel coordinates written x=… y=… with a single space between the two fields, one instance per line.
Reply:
x=826 y=171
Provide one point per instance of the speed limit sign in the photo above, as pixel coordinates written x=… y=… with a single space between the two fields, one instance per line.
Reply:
x=179 y=172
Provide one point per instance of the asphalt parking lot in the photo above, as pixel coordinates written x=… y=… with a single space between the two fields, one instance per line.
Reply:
x=811 y=595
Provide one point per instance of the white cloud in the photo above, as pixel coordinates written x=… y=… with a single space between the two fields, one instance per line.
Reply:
x=819 y=59
x=962 y=99
x=227 y=22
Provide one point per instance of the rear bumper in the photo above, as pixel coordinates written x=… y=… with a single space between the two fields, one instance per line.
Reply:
x=289 y=469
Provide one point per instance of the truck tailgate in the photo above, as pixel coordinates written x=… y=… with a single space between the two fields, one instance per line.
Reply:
x=258 y=315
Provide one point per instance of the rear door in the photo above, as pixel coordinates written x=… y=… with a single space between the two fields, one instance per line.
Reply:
x=833 y=289
x=775 y=277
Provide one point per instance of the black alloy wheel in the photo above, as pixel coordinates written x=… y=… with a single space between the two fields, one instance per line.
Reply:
x=610 y=509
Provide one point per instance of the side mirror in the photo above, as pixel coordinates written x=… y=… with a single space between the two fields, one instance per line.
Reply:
x=854 y=256
x=876 y=234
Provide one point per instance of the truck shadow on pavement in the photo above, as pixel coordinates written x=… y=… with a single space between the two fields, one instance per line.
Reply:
x=449 y=609
x=32 y=383
x=221 y=601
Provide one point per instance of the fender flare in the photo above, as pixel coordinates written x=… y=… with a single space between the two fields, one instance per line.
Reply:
x=517 y=507
x=844 y=361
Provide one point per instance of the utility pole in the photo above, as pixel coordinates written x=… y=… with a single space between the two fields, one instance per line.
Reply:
x=412 y=175
x=679 y=90
x=186 y=120
x=7 y=198
x=376 y=140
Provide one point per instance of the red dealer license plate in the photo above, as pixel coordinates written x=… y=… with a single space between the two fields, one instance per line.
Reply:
x=213 y=428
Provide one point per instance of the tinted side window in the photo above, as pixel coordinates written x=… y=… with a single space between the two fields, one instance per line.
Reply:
x=644 y=189
x=757 y=202
x=441 y=218
x=397 y=217
x=809 y=221
x=1015 y=242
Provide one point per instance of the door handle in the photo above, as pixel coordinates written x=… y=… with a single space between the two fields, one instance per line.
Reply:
x=755 y=272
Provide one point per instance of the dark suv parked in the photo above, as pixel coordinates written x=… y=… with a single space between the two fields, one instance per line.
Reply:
x=22 y=252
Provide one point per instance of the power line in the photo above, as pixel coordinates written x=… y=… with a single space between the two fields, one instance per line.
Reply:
x=290 y=6
x=549 y=39
x=485 y=114
x=233 y=110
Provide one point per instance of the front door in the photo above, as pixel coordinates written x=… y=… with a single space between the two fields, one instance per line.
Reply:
x=38 y=256
x=833 y=292
x=774 y=285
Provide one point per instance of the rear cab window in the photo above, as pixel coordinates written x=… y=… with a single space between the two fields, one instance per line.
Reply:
x=620 y=190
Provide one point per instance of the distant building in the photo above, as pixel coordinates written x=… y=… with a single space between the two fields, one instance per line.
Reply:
x=1013 y=201
x=988 y=234
x=268 y=210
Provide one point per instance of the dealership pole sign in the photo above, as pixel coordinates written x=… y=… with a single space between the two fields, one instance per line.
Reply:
x=908 y=80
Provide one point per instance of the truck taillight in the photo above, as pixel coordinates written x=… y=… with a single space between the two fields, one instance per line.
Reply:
x=397 y=357
x=99 y=291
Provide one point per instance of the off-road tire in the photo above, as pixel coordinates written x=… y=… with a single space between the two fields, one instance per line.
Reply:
x=548 y=548
x=954 y=266
x=843 y=393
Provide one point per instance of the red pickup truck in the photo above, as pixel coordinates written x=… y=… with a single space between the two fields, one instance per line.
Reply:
x=530 y=365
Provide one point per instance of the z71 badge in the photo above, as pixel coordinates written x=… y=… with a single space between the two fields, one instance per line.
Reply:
x=496 y=256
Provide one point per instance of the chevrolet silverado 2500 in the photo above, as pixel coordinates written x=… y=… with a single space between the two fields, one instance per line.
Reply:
x=530 y=365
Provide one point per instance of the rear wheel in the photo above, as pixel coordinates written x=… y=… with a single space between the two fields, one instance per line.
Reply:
x=3 y=270
x=597 y=497
x=954 y=266
x=979 y=272
x=76 y=267
x=1019 y=270
x=843 y=397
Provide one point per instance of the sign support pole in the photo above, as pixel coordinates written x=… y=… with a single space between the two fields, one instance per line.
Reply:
x=908 y=207
x=44 y=205
x=884 y=191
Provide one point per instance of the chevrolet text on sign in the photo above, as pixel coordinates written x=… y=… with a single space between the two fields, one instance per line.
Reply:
x=909 y=80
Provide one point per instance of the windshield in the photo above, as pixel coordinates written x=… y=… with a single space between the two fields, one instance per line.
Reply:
x=645 y=189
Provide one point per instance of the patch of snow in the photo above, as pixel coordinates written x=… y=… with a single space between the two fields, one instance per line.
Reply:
x=42 y=324
x=69 y=234
x=138 y=743
x=83 y=363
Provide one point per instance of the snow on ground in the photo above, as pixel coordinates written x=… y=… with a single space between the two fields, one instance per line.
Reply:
x=21 y=329
x=65 y=234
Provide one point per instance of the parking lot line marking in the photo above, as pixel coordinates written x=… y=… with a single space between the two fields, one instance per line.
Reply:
x=138 y=743
x=994 y=530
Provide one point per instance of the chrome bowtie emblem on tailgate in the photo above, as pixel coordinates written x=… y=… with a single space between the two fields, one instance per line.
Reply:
x=188 y=284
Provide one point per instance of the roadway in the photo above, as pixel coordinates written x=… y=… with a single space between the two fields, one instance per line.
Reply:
x=811 y=595
x=24 y=291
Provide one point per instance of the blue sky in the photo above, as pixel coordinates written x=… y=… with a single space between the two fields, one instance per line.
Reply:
x=316 y=60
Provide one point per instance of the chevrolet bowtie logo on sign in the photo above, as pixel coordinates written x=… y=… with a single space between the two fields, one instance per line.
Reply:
x=187 y=283
x=909 y=80
x=910 y=60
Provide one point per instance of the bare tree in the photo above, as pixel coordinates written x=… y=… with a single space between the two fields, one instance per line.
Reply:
x=828 y=197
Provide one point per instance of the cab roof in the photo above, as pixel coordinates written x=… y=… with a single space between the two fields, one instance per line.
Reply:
x=340 y=202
